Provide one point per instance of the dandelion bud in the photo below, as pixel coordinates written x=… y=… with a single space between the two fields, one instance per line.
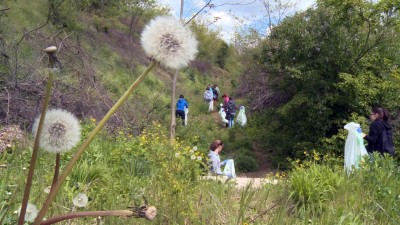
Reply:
x=50 y=49
x=151 y=213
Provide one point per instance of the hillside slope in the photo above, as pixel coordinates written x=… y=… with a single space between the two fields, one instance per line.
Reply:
x=100 y=56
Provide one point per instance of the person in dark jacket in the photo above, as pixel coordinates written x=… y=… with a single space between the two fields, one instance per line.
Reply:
x=380 y=118
x=180 y=108
x=231 y=111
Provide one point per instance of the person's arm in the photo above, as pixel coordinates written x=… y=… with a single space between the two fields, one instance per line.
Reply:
x=372 y=136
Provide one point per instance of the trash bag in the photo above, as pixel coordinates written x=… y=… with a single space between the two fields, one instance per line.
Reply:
x=229 y=169
x=241 y=119
x=186 y=115
x=223 y=115
x=354 y=149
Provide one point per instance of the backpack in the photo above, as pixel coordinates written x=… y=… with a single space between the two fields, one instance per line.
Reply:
x=230 y=106
x=208 y=95
x=387 y=141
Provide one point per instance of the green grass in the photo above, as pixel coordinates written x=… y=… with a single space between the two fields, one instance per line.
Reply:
x=115 y=172
x=118 y=169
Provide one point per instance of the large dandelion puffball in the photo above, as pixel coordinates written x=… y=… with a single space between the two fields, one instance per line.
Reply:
x=80 y=200
x=31 y=212
x=168 y=41
x=61 y=131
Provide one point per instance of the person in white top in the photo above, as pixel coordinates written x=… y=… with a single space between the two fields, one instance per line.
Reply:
x=229 y=170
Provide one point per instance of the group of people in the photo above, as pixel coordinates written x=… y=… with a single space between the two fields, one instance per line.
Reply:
x=227 y=109
x=379 y=139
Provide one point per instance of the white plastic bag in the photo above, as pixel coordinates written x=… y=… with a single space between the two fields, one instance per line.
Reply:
x=354 y=148
x=186 y=115
x=223 y=115
x=241 y=119
x=229 y=169
x=210 y=106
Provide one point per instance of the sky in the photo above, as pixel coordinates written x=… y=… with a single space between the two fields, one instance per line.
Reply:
x=229 y=15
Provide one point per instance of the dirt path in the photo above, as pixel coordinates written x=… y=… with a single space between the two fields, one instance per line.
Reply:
x=243 y=181
x=260 y=155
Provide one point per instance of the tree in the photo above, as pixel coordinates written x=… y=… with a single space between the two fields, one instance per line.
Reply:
x=325 y=64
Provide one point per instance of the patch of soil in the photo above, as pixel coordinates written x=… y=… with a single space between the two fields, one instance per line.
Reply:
x=11 y=136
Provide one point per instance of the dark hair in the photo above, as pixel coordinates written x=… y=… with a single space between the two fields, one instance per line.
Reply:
x=382 y=113
x=181 y=96
x=216 y=144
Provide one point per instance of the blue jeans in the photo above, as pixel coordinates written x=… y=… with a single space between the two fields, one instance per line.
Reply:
x=231 y=118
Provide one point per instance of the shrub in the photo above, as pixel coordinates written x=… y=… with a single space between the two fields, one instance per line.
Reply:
x=246 y=163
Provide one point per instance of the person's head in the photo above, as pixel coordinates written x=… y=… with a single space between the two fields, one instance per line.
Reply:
x=181 y=96
x=230 y=98
x=379 y=113
x=216 y=146
x=224 y=95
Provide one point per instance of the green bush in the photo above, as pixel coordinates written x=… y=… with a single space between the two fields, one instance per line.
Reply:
x=245 y=163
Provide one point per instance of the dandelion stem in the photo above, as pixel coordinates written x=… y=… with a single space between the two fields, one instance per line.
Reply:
x=173 y=117
x=79 y=152
x=56 y=169
x=68 y=216
x=35 y=151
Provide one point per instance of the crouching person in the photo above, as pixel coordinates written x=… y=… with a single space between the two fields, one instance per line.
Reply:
x=229 y=169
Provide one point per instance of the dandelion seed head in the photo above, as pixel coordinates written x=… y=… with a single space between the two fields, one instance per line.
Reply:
x=193 y=157
x=199 y=158
x=80 y=200
x=168 y=41
x=195 y=148
x=61 y=131
x=31 y=212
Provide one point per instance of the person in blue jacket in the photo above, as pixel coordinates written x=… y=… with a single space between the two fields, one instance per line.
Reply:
x=180 y=108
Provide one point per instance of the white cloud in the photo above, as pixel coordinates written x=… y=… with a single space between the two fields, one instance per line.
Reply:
x=304 y=4
x=250 y=12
